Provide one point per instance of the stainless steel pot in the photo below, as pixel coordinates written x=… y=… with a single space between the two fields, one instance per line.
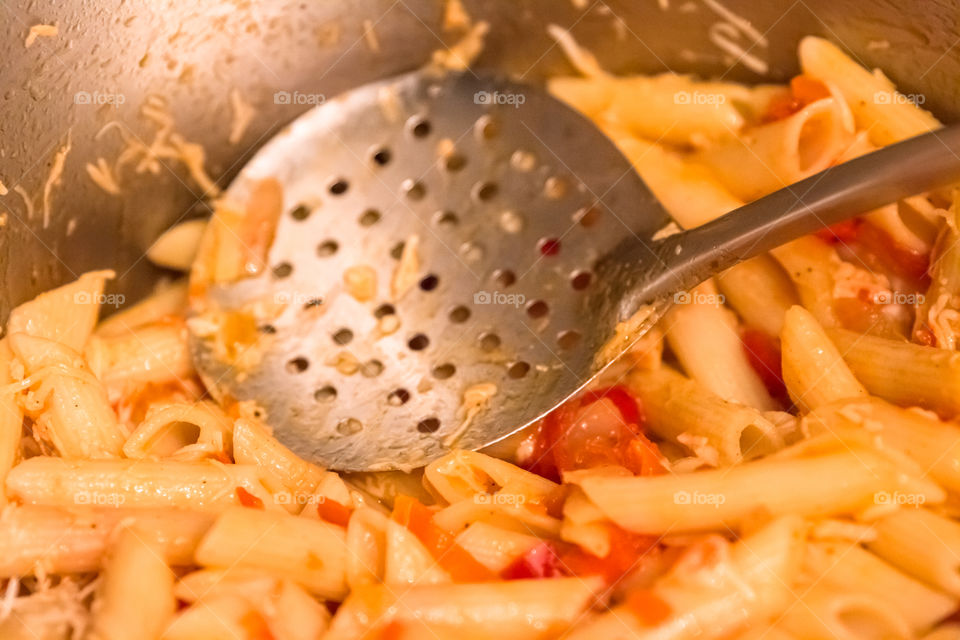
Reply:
x=119 y=52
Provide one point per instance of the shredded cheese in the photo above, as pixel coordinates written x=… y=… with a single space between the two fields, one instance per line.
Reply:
x=475 y=399
x=461 y=55
x=40 y=31
x=27 y=200
x=102 y=176
x=344 y=362
x=370 y=36
x=408 y=269
x=3 y=189
x=53 y=180
x=455 y=16
x=243 y=114
x=582 y=60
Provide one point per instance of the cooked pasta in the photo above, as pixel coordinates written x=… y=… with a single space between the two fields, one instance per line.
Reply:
x=777 y=459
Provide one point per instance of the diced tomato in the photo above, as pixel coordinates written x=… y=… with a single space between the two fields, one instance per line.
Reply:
x=247 y=499
x=334 y=512
x=803 y=91
x=649 y=608
x=542 y=561
x=256 y=626
x=763 y=353
x=627 y=551
x=600 y=427
x=845 y=232
x=898 y=259
x=456 y=560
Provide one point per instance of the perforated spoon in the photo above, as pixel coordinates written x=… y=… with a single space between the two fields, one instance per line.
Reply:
x=534 y=241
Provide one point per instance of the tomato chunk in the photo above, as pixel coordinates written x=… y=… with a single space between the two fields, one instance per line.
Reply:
x=334 y=512
x=649 y=608
x=763 y=353
x=247 y=499
x=456 y=560
x=600 y=427
x=542 y=561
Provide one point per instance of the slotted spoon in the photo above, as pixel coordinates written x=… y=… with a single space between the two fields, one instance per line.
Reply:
x=534 y=240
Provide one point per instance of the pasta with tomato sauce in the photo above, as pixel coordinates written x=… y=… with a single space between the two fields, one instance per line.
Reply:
x=777 y=458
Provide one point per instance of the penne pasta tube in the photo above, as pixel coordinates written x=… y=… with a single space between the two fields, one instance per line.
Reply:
x=813 y=369
x=156 y=353
x=135 y=597
x=169 y=300
x=713 y=590
x=177 y=246
x=312 y=553
x=493 y=547
x=687 y=190
x=886 y=115
x=674 y=108
x=367 y=547
x=205 y=486
x=720 y=432
x=516 y=609
x=293 y=478
x=845 y=567
x=408 y=561
x=66 y=314
x=931 y=442
x=704 y=336
x=72 y=412
x=462 y=475
x=52 y=540
x=922 y=376
x=226 y=616
x=825 y=483
x=286 y=610
x=923 y=544
x=760 y=291
x=826 y=613
x=167 y=429
x=771 y=156
x=810 y=263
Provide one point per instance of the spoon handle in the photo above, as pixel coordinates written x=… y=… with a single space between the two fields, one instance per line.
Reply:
x=923 y=163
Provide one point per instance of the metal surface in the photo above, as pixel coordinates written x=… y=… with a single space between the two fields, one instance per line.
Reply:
x=512 y=196
x=193 y=55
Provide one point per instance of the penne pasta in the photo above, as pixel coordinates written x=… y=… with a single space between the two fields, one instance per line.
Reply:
x=135 y=571
x=45 y=540
x=168 y=301
x=828 y=483
x=154 y=353
x=205 y=486
x=813 y=369
x=886 y=115
x=923 y=544
x=704 y=336
x=718 y=431
x=177 y=246
x=312 y=553
x=760 y=291
x=517 y=609
x=845 y=567
x=923 y=376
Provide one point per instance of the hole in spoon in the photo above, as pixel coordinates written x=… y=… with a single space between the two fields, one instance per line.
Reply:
x=428 y=425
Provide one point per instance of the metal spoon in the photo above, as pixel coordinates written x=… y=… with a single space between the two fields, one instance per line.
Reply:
x=534 y=241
